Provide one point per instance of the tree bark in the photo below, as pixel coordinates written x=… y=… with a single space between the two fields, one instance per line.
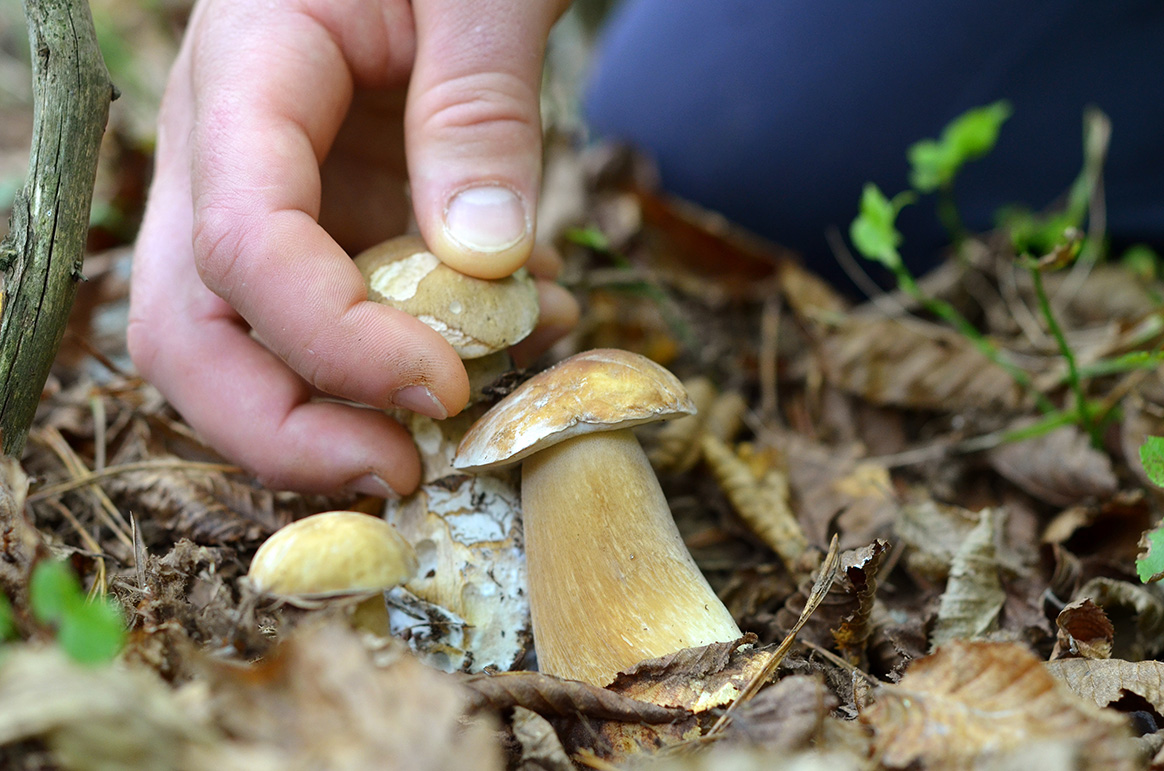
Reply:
x=40 y=259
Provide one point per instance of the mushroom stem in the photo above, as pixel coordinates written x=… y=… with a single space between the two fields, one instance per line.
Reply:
x=611 y=581
x=371 y=615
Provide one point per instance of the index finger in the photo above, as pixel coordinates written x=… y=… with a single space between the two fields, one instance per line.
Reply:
x=271 y=87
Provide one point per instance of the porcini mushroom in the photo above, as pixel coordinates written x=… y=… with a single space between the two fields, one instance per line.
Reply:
x=611 y=582
x=480 y=318
x=336 y=553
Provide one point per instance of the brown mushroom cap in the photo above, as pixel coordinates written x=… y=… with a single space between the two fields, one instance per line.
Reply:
x=404 y=274
x=333 y=552
x=599 y=390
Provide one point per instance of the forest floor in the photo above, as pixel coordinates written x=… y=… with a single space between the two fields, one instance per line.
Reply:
x=935 y=564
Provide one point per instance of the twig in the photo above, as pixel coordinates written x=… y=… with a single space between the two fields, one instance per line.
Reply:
x=828 y=573
x=125 y=468
x=109 y=514
x=41 y=257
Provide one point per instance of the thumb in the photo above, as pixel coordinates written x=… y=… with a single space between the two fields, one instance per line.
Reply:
x=473 y=129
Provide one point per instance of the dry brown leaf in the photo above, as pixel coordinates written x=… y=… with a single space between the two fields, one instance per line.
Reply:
x=541 y=749
x=696 y=679
x=1109 y=681
x=1060 y=467
x=1084 y=632
x=553 y=697
x=758 y=491
x=913 y=365
x=207 y=508
x=103 y=718
x=320 y=701
x=934 y=532
x=673 y=448
x=751 y=759
x=831 y=484
x=974 y=597
x=1136 y=612
x=970 y=701
x=786 y=717
x=841 y=622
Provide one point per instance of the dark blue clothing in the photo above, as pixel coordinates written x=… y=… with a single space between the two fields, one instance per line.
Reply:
x=776 y=113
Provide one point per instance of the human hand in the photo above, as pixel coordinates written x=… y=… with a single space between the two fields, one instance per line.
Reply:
x=285 y=135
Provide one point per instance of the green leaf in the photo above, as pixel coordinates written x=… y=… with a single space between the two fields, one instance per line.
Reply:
x=89 y=632
x=7 y=622
x=973 y=134
x=1150 y=563
x=53 y=590
x=589 y=237
x=1152 y=456
x=93 y=632
x=874 y=232
x=1142 y=261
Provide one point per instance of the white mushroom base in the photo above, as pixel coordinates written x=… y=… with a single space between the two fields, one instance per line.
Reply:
x=611 y=581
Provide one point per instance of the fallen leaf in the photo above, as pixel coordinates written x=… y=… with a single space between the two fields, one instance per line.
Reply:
x=1060 y=467
x=320 y=700
x=913 y=364
x=1084 y=632
x=841 y=621
x=788 y=716
x=541 y=749
x=758 y=491
x=970 y=605
x=1136 y=612
x=971 y=701
x=553 y=697
x=1108 y=681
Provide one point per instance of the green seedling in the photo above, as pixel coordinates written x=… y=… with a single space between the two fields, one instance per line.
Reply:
x=935 y=163
x=90 y=631
x=875 y=235
x=1150 y=563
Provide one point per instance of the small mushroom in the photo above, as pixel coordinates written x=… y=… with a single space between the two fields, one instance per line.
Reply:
x=611 y=582
x=480 y=318
x=336 y=554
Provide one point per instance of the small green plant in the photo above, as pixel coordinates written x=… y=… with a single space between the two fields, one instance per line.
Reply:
x=935 y=163
x=1150 y=563
x=90 y=631
x=1056 y=236
x=874 y=232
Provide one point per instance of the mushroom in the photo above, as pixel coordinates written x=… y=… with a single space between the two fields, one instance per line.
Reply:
x=611 y=582
x=336 y=554
x=480 y=318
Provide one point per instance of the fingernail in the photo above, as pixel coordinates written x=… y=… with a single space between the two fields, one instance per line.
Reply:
x=489 y=218
x=420 y=400
x=374 y=485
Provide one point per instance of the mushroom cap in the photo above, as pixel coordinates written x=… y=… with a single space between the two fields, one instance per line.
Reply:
x=599 y=390
x=476 y=316
x=333 y=552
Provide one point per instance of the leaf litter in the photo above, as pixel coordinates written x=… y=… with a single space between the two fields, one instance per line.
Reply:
x=983 y=611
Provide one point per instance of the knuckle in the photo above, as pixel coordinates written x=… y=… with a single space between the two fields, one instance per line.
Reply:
x=321 y=372
x=479 y=100
x=218 y=237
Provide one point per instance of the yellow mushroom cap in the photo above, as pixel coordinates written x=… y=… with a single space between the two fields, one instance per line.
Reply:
x=333 y=552
x=476 y=316
x=599 y=390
